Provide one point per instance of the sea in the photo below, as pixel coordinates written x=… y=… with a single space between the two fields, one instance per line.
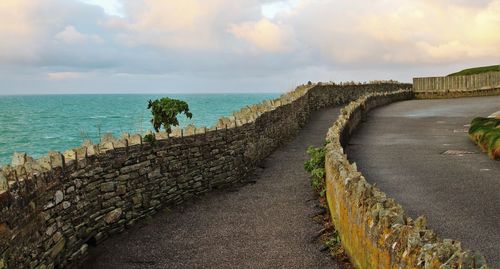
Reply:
x=41 y=123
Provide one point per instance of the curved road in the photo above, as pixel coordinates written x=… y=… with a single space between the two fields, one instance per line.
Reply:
x=400 y=148
x=263 y=225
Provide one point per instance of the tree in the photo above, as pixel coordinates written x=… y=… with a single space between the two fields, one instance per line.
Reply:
x=165 y=111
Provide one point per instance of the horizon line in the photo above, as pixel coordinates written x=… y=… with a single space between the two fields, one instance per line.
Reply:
x=147 y=93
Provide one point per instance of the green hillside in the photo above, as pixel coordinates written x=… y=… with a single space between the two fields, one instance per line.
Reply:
x=476 y=70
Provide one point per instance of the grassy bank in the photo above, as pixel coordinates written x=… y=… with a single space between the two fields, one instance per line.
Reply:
x=476 y=70
x=486 y=133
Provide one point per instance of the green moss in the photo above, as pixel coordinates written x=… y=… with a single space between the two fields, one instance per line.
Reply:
x=486 y=133
x=476 y=70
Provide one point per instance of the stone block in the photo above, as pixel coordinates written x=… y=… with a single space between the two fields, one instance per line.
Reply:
x=19 y=158
x=3 y=181
x=134 y=140
x=189 y=130
x=108 y=138
x=177 y=132
x=107 y=187
x=69 y=155
x=58 y=248
x=66 y=204
x=113 y=216
x=56 y=159
x=58 y=197
x=160 y=135
x=121 y=189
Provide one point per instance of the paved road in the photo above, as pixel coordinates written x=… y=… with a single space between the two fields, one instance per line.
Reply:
x=264 y=225
x=400 y=149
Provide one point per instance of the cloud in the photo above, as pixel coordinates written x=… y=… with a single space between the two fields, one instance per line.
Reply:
x=187 y=24
x=245 y=40
x=196 y=25
x=394 y=32
x=264 y=35
x=18 y=31
x=71 y=36
x=33 y=32
x=111 y=7
x=270 y=10
x=63 y=75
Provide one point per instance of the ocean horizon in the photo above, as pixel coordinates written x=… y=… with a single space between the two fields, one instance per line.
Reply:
x=37 y=124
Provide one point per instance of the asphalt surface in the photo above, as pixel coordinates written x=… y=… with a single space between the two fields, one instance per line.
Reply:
x=263 y=225
x=400 y=148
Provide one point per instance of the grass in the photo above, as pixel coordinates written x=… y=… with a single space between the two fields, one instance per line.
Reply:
x=486 y=133
x=476 y=70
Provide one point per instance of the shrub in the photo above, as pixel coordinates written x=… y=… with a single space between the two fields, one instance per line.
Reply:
x=150 y=138
x=316 y=167
x=486 y=133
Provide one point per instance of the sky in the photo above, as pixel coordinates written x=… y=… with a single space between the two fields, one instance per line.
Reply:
x=205 y=46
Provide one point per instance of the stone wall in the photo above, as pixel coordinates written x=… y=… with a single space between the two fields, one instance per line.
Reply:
x=457 y=86
x=373 y=228
x=52 y=208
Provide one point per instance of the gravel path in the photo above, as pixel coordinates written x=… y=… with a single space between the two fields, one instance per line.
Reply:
x=262 y=225
x=400 y=148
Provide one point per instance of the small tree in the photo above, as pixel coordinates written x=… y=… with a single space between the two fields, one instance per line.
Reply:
x=165 y=111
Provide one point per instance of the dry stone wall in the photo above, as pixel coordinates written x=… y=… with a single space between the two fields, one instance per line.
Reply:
x=373 y=228
x=457 y=86
x=53 y=208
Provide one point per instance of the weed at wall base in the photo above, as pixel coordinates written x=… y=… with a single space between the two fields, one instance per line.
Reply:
x=486 y=133
x=316 y=167
x=330 y=237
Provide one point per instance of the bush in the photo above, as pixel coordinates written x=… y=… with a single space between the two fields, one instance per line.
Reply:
x=316 y=167
x=486 y=133
x=150 y=138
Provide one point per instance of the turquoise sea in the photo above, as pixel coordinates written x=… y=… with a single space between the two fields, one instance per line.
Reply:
x=39 y=124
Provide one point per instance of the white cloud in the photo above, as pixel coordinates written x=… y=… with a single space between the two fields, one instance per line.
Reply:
x=18 y=31
x=71 y=35
x=40 y=33
x=187 y=24
x=244 y=39
x=63 y=75
x=264 y=35
x=196 y=25
x=394 y=32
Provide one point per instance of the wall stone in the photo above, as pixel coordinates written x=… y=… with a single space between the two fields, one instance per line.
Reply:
x=53 y=208
x=457 y=86
x=374 y=229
